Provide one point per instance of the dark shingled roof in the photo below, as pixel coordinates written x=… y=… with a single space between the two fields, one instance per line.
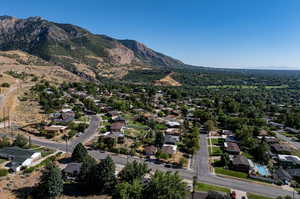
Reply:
x=17 y=155
x=283 y=174
x=72 y=168
x=240 y=160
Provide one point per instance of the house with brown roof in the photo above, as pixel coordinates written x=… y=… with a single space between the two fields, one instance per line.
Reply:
x=232 y=148
x=169 y=149
x=150 y=150
x=281 y=149
x=117 y=127
x=55 y=129
x=241 y=163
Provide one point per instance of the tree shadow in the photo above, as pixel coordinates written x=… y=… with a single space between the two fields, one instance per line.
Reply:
x=74 y=190
x=23 y=192
x=65 y=160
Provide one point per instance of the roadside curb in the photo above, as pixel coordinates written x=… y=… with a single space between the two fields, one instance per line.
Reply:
x=246 y=180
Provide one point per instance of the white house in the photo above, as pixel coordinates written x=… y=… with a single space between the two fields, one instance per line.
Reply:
x=19 y=158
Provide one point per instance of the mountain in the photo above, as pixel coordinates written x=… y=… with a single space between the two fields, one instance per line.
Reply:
x=75 y=48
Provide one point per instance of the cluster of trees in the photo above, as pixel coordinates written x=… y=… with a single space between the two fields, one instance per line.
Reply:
x=100 y=178
x=19 y=141
x=190 y=141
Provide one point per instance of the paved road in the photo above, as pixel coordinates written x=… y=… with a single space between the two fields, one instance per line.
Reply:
x=204 y=175
x=89 y=133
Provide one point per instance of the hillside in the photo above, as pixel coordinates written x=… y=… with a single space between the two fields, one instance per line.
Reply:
x=76 y=49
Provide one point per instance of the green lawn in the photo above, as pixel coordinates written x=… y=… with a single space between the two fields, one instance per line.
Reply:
x=217 y=141
x=216 y=151
x=254 y=196
x=44 y=151
x=207 y=187
x=287 y=134
x=237 y=174
x=2 y=161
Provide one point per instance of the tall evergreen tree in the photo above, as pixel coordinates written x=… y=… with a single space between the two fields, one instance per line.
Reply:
x=79 y=153
x=159 y=139
x=51 y=183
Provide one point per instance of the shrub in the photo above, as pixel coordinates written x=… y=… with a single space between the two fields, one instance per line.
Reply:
x=3 y=172
x=7 y=85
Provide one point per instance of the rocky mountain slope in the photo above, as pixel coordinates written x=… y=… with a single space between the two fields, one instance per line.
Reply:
x=75 y=48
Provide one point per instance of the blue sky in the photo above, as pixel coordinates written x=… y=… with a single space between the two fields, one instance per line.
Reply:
x=215 y=33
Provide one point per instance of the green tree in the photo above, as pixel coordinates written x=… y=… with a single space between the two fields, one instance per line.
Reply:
x=106 y=175
x=133 y=170
x=87 y=164
x=165 y=185
x=159 y=139
x=209 y=125
x=225 y=160
x=51 y=183
x=4 y=142
x=100 y=178
x=21 y=141
x=79 y=153
x=126 y=190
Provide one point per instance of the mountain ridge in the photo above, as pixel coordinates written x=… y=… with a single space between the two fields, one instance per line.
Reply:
x=69 y=45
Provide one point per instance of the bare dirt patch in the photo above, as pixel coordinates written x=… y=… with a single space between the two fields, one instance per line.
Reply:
x=167 y=81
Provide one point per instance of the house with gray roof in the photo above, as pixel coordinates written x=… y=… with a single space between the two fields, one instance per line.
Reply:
x=19 y=158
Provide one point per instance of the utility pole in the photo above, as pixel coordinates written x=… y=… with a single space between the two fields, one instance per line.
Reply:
x=67 y=144
x=29 y=140
x=195 y=179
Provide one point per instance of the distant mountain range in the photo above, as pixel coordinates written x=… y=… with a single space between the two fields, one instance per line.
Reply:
x=68 y=45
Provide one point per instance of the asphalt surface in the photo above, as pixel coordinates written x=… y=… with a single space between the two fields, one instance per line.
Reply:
x=88 y=134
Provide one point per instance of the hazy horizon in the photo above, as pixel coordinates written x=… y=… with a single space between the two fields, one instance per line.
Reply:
x=260 y=34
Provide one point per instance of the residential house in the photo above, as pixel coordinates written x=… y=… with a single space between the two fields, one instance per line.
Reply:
x=55 y=129
x=150 y=150
x=173 y=131
x=270 y=139
x=241 y=163
x=171 y=139
x=72 y=170
x=231 y=138
x=227 y=132
x=295 y=173
x=289 y=161
x=120 y=119
x=275 y=124
x=232 y=148
x=169 y=149
x=173 y=124
x=118 y=136
x=292 y=130
x=281 y=149
x=263 y=132
x=117 y=127
x=64 y=117
x=113 y=114
x=283 y=175
x=19 y=158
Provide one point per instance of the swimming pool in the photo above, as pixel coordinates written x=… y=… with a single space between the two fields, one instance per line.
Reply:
x=262 y=170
